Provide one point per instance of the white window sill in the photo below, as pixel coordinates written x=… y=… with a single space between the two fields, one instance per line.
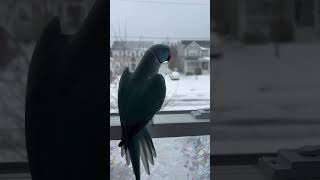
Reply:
x=168 y=124
x=22 y=176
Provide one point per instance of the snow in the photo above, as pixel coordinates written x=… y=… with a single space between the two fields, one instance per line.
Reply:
x=188 y=93
x=204 y=59
x=179 y=158
x=258 y=85
x=202 y=48
x=263 y=103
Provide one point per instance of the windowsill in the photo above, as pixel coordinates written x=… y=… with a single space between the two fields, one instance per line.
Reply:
x=249 y=172
x=219 y=173
x=167 y=124
x=24 y=176
x=165 y=119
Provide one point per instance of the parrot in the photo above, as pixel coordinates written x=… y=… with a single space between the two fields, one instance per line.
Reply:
x=140 y=95
x=65 y=121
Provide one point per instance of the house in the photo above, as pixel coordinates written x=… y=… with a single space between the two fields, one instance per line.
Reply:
x=25 y=19
x=128 y=53
x=193 y=55
x=237 y=17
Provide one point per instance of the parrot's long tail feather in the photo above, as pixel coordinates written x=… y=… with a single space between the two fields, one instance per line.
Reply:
x=140 y=145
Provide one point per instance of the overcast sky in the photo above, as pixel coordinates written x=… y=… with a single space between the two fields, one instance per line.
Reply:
x=160 y=18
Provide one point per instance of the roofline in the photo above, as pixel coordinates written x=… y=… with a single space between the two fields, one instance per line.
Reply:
x=194 y=42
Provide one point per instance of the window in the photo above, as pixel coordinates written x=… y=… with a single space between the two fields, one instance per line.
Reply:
x=204 y=53
x=192 y=52
x=183 y=94
x=187 y=93
x=133 y=66
x=264 y=102
x=193 y=64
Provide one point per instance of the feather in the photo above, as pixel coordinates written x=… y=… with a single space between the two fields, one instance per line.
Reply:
x=150 y=143
x=127 y=157
x=143 y=154
x=122 y=151
x=134 y=152
x=148 y=150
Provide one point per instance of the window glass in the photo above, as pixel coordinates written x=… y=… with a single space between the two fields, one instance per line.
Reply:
x=265 y=92
x=193 y=52
x=134 y=26
x=15 y=56
x=185 y=158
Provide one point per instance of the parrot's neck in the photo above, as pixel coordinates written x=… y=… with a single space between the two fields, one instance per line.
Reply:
x=148 y=66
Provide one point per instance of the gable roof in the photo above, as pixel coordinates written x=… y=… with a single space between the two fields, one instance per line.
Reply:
x=117 y=45
x=201 y=43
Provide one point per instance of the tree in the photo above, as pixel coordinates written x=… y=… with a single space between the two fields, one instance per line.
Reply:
x=124 y=48
x=197 y=71
x=174 y=55
x=281 y=29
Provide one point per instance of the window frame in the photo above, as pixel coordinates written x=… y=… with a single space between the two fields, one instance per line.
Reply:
x=200 y=128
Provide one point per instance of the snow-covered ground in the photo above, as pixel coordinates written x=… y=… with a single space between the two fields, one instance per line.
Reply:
x=188 y=93
x=178 y=158
x=263 y=103
x=252 y=82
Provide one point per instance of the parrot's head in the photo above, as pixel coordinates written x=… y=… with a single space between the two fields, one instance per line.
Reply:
x=162 y=52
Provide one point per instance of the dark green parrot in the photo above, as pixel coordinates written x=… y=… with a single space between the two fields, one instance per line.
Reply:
x=140 y=95
x=65 y=120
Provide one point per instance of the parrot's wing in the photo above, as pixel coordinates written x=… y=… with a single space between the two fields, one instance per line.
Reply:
x=154 y=96
x=152 y=99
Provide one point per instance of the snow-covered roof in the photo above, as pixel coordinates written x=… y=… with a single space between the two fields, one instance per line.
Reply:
x=204 y=59
x=203 y=44
x=202 y=48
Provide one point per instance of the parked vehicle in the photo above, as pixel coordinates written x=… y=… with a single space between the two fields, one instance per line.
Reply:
x=174 y=75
